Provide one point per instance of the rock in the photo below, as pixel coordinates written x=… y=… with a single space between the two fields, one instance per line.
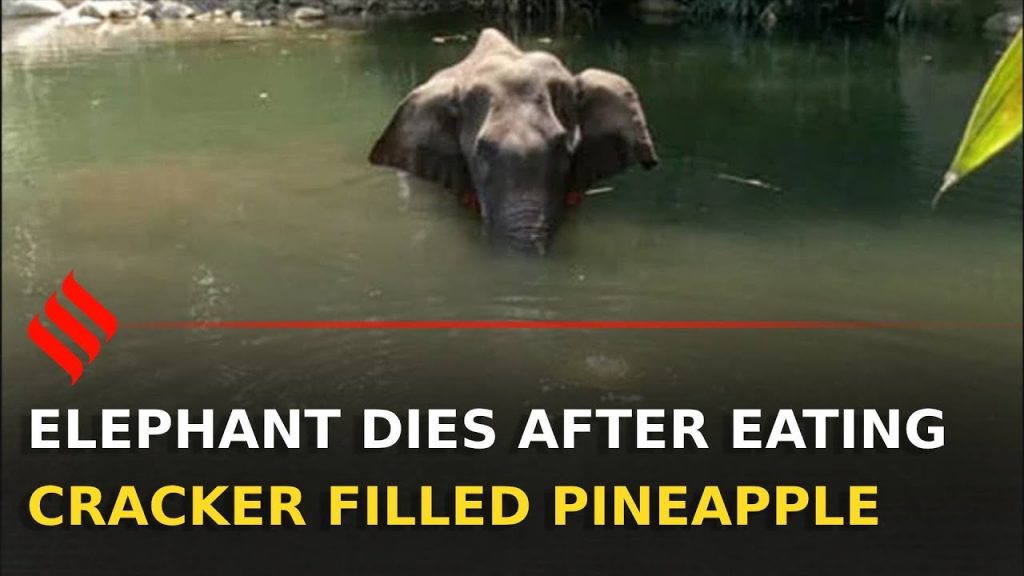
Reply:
x=170 y=10
x=344 y=6
x=31 y=8
x=270 y=11
x=1003 y=22
x=109 y=9
x=374 y=7
x=217 y=15
x=307 y=13
x=402 y=6
x=73 y=17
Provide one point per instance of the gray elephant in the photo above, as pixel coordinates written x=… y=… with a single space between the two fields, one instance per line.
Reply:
x=517 y=135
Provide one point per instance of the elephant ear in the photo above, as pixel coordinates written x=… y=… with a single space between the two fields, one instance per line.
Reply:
x=613 y=130
x=422 y=138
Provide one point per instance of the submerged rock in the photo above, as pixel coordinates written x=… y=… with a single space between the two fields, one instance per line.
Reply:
x=609 y=367
x=661 y=6
x=31 y=8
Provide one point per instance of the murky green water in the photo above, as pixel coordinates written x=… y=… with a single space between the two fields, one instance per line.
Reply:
x=221 y=174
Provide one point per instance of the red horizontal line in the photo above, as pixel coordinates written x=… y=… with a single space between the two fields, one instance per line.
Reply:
x=556 y=325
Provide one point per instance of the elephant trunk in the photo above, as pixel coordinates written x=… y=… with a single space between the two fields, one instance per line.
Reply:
x=524 y=226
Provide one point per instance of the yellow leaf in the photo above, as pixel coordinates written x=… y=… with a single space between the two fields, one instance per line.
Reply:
x=995 y=122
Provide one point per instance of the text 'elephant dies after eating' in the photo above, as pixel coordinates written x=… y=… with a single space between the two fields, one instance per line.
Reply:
x=517 y=135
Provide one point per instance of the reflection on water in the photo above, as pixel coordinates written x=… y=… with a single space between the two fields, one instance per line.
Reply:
x=209 y=176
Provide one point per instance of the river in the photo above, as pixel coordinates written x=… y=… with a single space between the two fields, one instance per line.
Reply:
x=215 y=173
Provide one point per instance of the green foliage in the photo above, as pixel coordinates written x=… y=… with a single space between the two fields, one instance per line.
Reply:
x=897 y=11
x=995 y=121
x=955 y=13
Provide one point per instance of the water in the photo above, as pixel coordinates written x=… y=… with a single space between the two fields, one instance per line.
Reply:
x=219 y=173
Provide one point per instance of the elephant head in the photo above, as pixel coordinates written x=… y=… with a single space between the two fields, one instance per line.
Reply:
x=518 y=134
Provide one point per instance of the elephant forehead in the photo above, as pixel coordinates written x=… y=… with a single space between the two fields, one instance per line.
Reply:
x=527 y=74
x=545 y=63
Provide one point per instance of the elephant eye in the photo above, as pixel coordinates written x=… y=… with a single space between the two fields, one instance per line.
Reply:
x=477 y=95
x=486 y=148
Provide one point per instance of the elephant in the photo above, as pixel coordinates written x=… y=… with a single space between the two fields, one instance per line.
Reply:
x=518 y=136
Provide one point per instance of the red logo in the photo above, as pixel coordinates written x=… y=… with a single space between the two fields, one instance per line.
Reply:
x=71 y=327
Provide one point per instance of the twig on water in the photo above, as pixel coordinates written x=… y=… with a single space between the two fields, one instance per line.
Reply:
x=749 y=182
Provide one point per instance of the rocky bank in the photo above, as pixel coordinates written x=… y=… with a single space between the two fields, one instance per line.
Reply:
x=242 y=12
x=1003 y=16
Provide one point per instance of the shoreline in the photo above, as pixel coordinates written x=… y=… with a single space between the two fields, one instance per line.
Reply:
x=241 y=13
x=996 y=16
